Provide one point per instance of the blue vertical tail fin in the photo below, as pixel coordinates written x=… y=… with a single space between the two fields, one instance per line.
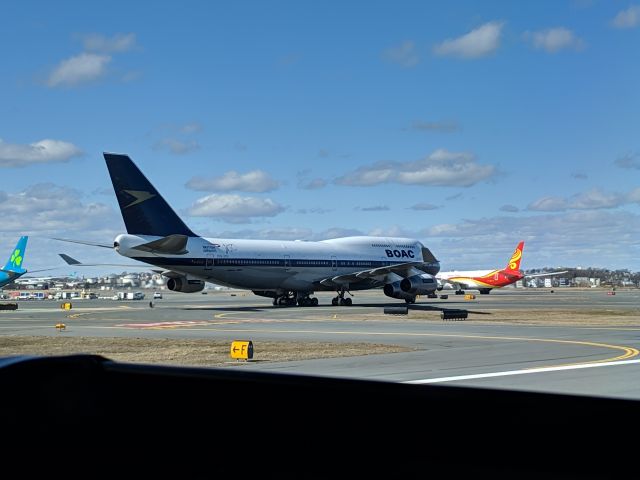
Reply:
x=143 y=209
x=14 y=264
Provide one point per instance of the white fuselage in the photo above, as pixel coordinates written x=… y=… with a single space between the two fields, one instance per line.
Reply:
x=280 y=265
x=464 y=278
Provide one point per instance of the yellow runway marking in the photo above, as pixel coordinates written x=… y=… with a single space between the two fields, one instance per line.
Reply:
x=629 y=352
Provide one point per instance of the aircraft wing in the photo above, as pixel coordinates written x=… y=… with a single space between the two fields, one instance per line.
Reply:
x=402 y=269
x=169 y=273
x=544 y=274
x=82 y=242
x=43 y=269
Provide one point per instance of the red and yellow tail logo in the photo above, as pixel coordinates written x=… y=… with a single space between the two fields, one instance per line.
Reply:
x=514 y=261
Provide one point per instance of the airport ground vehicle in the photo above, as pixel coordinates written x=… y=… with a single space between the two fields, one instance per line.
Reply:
x=157 y=295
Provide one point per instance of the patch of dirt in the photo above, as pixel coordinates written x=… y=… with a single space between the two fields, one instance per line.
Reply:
x=203 y=353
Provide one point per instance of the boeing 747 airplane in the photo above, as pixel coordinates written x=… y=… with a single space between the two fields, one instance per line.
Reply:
x=289 y=272
x=486 y=280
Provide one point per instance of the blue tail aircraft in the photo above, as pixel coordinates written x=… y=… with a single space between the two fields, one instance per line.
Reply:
x=13 y=268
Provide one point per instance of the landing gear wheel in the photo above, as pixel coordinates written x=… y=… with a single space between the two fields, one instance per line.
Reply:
x=340 y=300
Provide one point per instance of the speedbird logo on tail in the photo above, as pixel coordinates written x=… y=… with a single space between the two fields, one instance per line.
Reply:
x=139 y=195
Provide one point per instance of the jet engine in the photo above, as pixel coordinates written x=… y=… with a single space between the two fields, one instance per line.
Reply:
x=393 y=290
x=185 y=284
x=423 y=284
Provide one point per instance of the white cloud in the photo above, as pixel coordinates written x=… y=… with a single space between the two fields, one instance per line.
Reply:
x=193 y=127
x=314 y=210
x=337 y=232
x=177 y=139
x=44 y=151
x=628 y=161
x=83 y=68
x=404 y=55
x=287 y=233
x=424 y=206
x=593 y=199
x=392 y=231
x=577 y=238
x=477 y=43
x=447 y=126
x=634 y=196
x=441 y=168
x=255 y=181
x=234 y=208
x=53 y=209
x=509 y=208
x=176 y=146
x=553 y=40
x=120 y=42
x=374 y=208
x=628 y=18
x=314 y=184
x=548 y=204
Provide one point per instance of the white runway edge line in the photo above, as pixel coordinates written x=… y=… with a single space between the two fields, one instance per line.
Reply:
x=522 y=372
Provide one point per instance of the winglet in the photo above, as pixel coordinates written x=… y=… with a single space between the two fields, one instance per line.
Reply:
x=514 y=262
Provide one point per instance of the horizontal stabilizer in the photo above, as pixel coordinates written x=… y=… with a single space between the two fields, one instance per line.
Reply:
x=11 y=273
x=171 y=244
x=78 y=263
x=69 y=260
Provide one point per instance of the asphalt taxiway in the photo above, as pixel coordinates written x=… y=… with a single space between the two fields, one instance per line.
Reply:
x=595 y=354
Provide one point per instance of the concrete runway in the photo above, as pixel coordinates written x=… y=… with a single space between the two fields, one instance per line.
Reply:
x=592 y=359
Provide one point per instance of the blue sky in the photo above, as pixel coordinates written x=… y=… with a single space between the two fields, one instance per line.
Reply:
x=469 y=125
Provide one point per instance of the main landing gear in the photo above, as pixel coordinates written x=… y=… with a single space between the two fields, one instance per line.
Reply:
x=291 y=299
x=340 y=300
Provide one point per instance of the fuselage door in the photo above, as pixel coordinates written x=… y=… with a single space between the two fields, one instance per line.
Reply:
x=287 y=262
x=208 y=263
x=334 y=263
